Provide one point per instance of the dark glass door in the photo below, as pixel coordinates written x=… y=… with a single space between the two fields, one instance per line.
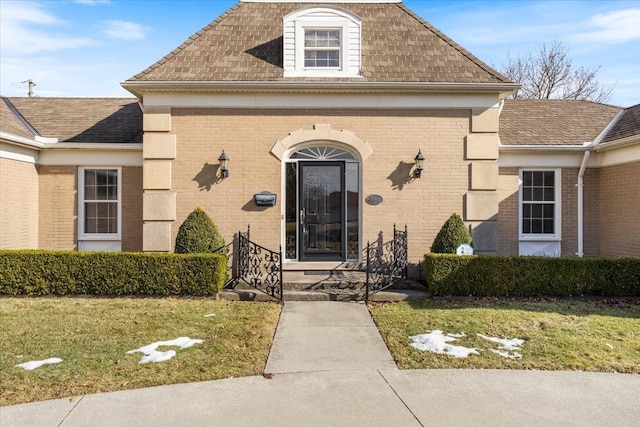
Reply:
x=321 y=215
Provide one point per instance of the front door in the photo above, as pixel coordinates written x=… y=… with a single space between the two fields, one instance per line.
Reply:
x=322 y=234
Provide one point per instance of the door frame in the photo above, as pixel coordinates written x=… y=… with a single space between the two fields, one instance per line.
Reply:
x=306 y=255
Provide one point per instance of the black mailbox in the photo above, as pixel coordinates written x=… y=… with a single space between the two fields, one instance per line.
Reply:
x=265 y=198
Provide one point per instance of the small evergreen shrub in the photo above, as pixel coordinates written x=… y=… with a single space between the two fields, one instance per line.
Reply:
x=526 y=276
x=37 y=272
x=452 y=234
x=198 y=235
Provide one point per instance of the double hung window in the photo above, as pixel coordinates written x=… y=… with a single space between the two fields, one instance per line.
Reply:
x=322 y=48
x=99 y=209
x=539 y=208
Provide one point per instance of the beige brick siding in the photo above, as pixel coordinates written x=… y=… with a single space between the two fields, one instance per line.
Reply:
x=132 y=209
x=619 y=210
x=394 y=135
x=19 y=205
x=509 y=216
x=508 y=182
x=58 y=206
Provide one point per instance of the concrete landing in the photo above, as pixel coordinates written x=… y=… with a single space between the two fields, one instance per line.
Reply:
x=327 y=336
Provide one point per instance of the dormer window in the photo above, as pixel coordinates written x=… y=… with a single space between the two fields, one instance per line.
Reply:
x=322 y=49
x=321 y=42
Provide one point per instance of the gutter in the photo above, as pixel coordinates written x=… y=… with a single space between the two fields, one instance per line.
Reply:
x=139 y=87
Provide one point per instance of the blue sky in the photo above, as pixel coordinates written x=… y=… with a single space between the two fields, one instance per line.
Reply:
x=87 y=47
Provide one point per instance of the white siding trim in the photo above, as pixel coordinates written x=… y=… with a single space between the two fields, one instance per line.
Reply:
x=18 y=153
x=295 y=100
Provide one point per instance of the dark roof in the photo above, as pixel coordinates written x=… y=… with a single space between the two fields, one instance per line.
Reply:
x=99 y=120
x=553 y=121
x=628 y=125
x=245 y=44
x=11 y=121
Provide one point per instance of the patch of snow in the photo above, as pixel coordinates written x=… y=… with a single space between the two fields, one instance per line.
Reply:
x=30 y=366
x=508 y=355
x=505 y=343
x=436 y=342
x=151 y=354
x=512 y=346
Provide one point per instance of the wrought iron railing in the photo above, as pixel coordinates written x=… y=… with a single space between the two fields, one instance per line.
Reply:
x=386 y=262
x=255 y=265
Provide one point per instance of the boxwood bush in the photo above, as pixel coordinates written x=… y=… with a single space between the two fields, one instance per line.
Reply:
x=483 y=276
x=37 y=272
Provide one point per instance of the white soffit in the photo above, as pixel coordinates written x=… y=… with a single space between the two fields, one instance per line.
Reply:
x=292 y=100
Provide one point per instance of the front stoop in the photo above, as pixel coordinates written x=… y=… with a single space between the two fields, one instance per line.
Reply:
x=329 y=285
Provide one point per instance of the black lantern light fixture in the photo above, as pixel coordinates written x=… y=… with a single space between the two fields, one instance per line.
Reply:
x=224 y=164
x=419 y=164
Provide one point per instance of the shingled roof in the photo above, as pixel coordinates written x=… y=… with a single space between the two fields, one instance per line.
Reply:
x=97 y=120
x=245 y=44
x=11 y=121
x=628 y=125
x=553 y=121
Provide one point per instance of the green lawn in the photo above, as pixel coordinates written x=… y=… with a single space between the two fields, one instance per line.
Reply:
x=93 y=335
x=559 y=335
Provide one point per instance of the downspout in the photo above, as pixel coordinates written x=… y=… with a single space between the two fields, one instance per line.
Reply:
x=583 y=167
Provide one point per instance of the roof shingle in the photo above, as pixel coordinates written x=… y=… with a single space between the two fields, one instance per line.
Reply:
x=96 y=120
x=10 y=121
x=553 y=121
x=245 y=44
x=628 y=125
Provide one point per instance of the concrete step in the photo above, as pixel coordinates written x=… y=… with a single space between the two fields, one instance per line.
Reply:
x=389 y=295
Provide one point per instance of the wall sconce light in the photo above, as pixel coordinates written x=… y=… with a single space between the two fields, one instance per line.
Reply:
x=224 y=164
x=419 y=162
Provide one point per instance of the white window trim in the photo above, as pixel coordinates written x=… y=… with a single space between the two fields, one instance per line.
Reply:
x=557 y=236
x=98 y=236
x=321 y=24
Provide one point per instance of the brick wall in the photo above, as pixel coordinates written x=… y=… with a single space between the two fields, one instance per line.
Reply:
x=508 y=182
x=619 y=210
x=508 y=217
x=19 y=203
x=132 y=209
x=58 y=221
x=394 y=135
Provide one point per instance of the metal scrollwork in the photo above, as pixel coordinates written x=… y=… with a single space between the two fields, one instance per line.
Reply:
x=259 y=267
x=387 y=262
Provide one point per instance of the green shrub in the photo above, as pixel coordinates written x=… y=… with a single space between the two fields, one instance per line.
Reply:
x=110 y=273
x=484 y=276
x=198 y=235
x=452 y=234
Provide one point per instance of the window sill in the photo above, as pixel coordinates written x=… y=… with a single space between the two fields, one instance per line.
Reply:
x=99 y=237
x=539 y=238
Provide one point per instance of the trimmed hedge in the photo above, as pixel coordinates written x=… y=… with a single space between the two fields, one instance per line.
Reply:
x=37 y=272
x=485 y=276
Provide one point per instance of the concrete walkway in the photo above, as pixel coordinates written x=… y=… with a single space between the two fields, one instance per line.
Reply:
x=330 y=368
x=327 y=336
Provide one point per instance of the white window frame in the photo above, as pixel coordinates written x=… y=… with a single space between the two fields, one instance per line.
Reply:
x=302 y=25
x=557 y=211
x=340 y=48
x=82 y=234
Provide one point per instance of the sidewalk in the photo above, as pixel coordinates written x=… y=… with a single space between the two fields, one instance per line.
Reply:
x=330 y=368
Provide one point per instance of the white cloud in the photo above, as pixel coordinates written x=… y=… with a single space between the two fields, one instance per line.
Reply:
x=613 y=27
x=26 y=29
x=126 y=30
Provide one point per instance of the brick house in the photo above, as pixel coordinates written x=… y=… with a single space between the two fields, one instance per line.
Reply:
x=326 y=106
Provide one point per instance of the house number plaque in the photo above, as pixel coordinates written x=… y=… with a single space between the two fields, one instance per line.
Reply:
x=373 y=199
